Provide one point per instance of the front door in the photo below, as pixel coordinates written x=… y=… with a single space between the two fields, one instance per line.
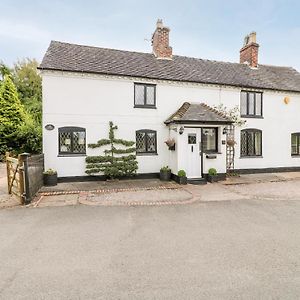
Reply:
x=193 y=141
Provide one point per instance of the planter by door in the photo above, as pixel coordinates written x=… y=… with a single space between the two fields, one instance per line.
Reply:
x=165 y=175
x=182 y=180
x=50 y=180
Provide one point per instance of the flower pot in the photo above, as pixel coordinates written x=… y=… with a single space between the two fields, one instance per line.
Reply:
x=182 y=180
x=50 y=179
x=212 y=178
x=165 y=175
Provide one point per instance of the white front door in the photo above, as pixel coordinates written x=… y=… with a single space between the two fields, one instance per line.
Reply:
x=193 y=142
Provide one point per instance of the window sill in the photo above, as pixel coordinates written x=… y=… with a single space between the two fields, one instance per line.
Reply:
x=145 y=106
x=212 y=152
x=254 y=156
x=295 y=155
x=251 y=117
x=71 y=155
x=146 y=154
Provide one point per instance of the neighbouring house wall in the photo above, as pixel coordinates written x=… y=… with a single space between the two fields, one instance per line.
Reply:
x=91 y=101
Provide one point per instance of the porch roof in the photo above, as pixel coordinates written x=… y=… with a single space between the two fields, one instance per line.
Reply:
x=198 y=113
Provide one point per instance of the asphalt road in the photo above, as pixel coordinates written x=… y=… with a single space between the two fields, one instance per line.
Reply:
x=248 y=249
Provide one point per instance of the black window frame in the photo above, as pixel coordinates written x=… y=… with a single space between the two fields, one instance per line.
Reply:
x=297 y=134
x=216 y=129
x=146 y=132
x=71 y=129
x=247 y=131
x=248 y=115
x=145 y=105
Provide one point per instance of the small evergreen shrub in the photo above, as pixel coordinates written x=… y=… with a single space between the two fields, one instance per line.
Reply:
x=212 y=172
x=50 y=172
x=181 y=173
x=165 y=169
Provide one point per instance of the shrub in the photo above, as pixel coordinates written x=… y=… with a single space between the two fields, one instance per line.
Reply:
x=50 y=172
x=212 y=172
x=181 y=173
x=165 y=169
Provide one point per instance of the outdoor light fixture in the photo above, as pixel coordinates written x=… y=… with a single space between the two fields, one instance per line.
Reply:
x=181 y=130
x=225 y=130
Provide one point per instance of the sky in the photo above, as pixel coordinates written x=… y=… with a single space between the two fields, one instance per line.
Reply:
x=211 y=29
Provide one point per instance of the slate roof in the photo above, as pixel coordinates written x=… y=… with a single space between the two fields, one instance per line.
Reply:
x=198 y=113
x=78 y=58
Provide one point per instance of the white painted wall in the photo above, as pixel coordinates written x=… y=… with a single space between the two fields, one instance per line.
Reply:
x=91 y=101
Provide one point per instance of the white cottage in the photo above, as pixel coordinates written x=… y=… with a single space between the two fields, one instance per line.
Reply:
x=158 y=96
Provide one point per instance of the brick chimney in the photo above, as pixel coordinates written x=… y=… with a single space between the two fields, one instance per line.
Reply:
x=249 y=52
x=160 y=41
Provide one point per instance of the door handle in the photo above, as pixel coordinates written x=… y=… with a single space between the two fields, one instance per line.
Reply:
x=192 y=148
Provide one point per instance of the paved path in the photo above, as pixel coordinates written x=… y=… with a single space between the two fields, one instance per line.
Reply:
x=246 y=249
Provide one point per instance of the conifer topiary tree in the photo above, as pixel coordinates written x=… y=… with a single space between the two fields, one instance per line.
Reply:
x=116 y=162
x=12 y=115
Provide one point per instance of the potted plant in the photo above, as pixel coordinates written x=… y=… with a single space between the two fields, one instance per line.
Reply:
x=182 y=179
x=171 y=144
x=212 y=175
x=231 y=142
x=165 y=173
x=50 y=177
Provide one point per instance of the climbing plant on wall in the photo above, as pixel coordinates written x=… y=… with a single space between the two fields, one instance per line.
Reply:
x=118 y=158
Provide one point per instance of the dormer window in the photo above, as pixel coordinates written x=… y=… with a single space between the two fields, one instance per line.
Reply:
x=251 y=104
x=144 y=95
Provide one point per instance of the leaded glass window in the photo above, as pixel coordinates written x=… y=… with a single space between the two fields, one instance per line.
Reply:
x=251 y=142
x=144 y=95
x=146 y=141
x=295 y=143
x=210 y=139
x=72 y=140
x=251 y=104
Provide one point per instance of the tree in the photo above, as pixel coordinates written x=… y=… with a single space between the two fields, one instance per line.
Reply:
x=29 y=86
x=115 y=162
x=4 y=70
x=12 y=115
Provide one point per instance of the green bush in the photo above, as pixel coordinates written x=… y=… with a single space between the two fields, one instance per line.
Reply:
x=50 y=172
x=181 y=173
x=165 y=169
x=29 y=137
x=212 y=172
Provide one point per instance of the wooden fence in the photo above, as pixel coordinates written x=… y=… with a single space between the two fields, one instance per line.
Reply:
x=24 y=175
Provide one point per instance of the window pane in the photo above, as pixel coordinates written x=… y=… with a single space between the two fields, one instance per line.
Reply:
x=192 y=139
x=209 y=139
x=251 y=99
x=150 y=95
x=79 y=142
x=65 y=141
x=258 y=102
x=295 y=149
x=243 y=143
x=151 y=142
x=139 y=94
x=250 y=143
x=140 y=141
x=257 y=143
x=243 y=103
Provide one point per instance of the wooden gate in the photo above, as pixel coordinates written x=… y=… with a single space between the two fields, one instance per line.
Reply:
x=15 y=176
